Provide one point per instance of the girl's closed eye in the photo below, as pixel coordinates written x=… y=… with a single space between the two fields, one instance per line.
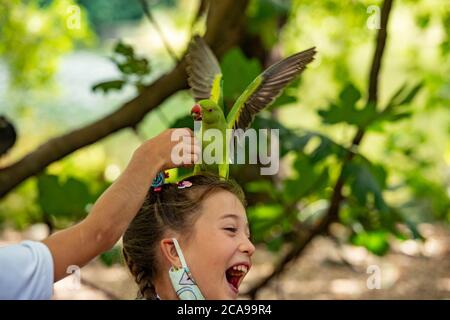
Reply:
x=231 y=229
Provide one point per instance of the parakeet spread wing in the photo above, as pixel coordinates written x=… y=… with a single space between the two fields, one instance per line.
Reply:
x=266 y=88
x=204 y=74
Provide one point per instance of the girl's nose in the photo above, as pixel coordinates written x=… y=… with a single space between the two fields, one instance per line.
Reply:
x=247 y=247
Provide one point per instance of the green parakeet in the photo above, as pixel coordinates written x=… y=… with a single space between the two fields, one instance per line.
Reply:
x=205 y=80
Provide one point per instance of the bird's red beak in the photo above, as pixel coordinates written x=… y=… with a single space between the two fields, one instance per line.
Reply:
x=196 y=112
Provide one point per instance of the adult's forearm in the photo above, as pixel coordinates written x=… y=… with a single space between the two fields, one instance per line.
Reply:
x=114 y=210
x=108 y=219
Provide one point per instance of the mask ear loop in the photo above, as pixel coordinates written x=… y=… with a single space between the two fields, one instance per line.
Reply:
x=180 y=254
x=181 y=278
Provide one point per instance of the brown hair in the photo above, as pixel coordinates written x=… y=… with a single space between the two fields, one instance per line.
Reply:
x=169 y=209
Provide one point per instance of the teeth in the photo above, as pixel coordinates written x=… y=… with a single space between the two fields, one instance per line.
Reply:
x=242 y=268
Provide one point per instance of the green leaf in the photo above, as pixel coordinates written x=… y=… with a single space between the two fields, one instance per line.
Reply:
x=134 y=66
x=400 y=116
x=183 y=122
x=109 y=86
x=261 y=186
x=423 y=20
x=111 y=257
x=400 y=91
x=411 y=94
x=374 y=241
x=262 y=218
x=445 y=47
x=310 y=179
x=326 y=148
x=265 y=212
x=263 y=19
x=366 y=181
x=345 y=109
x=275 y=244
x=184 y=172
x=403 y=96
x=332 y=115
x=289 y=139
x=124 y=49
x=350 y=95
x=128 y=63
x=238 y=73
x=283 y=100
x=63 y=198
x=394 y=110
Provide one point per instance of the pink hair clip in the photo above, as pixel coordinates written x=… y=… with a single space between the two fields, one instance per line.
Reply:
x=184 y=184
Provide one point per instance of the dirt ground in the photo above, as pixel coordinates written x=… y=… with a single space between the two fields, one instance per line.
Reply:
x=412 y=270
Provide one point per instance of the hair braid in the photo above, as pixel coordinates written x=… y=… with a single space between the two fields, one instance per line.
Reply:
x=143 y=279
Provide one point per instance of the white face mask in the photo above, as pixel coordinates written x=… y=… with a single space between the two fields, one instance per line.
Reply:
x=182 y=280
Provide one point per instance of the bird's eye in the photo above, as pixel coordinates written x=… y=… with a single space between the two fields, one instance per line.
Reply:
x=209 y=110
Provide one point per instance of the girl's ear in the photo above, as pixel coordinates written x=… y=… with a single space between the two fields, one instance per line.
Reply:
x=169 y=252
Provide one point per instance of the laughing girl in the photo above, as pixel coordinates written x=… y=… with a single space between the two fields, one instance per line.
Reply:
x=190 y=240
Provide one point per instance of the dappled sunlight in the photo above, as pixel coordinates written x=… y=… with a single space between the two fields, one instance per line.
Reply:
x=360 y=208
x=315 y=276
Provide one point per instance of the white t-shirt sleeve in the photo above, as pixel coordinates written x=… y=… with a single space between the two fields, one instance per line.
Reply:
x=26 y=271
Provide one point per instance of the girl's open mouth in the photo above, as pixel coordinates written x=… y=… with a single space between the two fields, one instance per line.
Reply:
x=236 y=274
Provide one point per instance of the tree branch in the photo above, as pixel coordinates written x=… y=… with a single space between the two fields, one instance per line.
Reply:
x=336 y=199
x=381 y=43
x=225 y=22
x=202 y=8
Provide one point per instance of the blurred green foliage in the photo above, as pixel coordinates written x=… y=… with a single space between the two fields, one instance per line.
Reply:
x=264 y=16
x=103 y=12
x=398 y=178
x=133 y=69
x=68 y=198
x=106 y=12
x=111 y=257
x=33 y=38
x=239 y=72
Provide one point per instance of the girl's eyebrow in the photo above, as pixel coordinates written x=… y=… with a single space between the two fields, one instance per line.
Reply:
x=230 y=215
